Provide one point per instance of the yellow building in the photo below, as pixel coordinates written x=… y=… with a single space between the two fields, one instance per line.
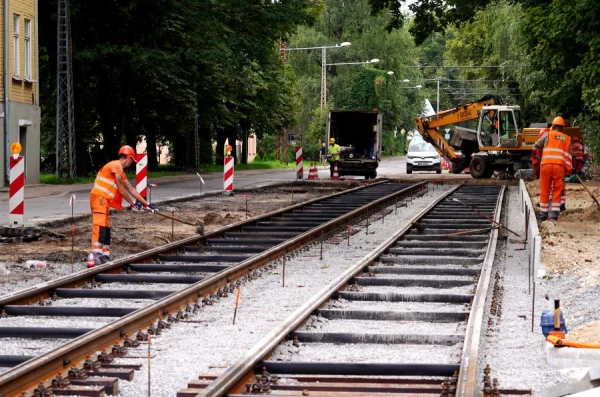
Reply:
x=19 y=92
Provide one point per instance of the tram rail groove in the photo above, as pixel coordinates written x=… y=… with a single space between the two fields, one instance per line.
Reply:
x=234 y=379
x=29 y=374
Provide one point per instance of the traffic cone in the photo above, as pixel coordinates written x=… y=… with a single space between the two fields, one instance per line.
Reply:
x=91 y=262
x=336 y=175
x=313 y=173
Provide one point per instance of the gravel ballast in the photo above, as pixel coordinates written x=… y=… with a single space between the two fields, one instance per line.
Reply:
x=209 y=342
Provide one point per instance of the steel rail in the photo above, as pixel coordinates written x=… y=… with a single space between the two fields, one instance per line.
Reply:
x=29 y=374
x=236 y=376
x=467 y=375
x=41 y=291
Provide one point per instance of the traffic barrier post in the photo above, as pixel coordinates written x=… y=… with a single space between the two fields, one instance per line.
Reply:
x=141 y=174
x=228 y=175
x=299 y=167
x=16 y=201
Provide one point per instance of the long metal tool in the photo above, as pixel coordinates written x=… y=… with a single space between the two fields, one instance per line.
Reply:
x=588 y=190
x=485 y=216
x=198 y=224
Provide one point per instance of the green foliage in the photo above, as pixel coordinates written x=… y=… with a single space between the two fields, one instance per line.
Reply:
x=265 y=148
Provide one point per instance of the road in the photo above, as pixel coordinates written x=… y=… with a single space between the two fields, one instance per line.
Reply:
x=45 y=203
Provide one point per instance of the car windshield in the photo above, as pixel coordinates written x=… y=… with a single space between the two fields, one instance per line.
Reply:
x=421 y=147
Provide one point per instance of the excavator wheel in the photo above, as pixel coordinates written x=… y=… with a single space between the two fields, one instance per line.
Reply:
x=480 y=167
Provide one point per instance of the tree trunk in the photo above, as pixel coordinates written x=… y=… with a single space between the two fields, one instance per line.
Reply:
x=206 y=152
x=151 y=146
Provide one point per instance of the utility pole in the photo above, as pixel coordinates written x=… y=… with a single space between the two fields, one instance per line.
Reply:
x=65 y=126
x=323 y=79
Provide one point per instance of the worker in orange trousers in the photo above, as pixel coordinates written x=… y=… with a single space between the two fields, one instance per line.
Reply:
x=555 y=164
x=110 y=188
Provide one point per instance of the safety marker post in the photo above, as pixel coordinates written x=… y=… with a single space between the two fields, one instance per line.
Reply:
x=237 y=301
x=299 y=167
x=72 y=204
x=228 y=175
x=141 y=174
x=201 y=182
x=150 y=186
x=16 y=201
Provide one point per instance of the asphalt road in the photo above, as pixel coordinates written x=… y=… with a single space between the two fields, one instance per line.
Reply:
x=50 y=202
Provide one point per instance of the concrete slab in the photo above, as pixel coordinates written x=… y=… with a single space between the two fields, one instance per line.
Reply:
x=569 y=357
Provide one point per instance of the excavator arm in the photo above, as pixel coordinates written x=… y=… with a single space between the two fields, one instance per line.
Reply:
x=428 y=127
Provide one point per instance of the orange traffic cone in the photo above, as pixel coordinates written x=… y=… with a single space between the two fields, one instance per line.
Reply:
x=336 y=175
x=313 y=173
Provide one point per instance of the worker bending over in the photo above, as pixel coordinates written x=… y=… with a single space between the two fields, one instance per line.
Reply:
x=555 y=164
x=110 y=188
x=578 y=154
x=333 y=155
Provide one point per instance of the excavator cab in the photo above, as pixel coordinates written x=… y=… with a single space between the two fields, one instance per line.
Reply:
x=499 y=126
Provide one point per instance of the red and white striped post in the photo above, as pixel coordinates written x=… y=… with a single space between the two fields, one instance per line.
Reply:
x=299 y=167
x=16 y=190
x=141 y=174
x=228 y=175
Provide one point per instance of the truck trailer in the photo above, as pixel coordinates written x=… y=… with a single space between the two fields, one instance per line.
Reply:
x=359 y=134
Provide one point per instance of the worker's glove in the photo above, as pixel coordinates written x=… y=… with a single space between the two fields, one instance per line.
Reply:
x=137 y=206
x=151 y=207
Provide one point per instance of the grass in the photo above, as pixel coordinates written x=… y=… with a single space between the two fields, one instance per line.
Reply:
x=168 y=170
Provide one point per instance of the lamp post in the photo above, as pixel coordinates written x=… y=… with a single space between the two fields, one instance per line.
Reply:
x=323 y=66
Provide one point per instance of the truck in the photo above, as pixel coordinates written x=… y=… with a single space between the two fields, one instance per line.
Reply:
x=499 y=143
x=359 y=134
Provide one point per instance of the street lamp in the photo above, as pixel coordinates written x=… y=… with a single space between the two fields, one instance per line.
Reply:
x=323 y=66
x=374 y=60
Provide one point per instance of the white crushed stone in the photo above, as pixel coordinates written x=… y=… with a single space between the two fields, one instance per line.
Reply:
x=462 y=290
x=29 y=347
x=402 y=306
x=59 y=322
x=370 y=353
x=213 y=343
x=388 y=327
x=516 y=354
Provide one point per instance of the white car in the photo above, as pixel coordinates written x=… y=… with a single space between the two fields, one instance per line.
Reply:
x=421 y=156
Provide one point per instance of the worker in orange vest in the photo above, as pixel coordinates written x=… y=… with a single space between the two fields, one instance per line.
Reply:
x=110 y=188
x=556 y=163
x=578 y=154
x=536 y=155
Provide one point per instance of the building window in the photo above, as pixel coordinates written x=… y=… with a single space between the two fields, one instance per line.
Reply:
x=17 y=53
x=27 y=49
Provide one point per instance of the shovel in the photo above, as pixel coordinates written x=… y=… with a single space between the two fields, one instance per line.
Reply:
x=588 y=190
x=198 y=224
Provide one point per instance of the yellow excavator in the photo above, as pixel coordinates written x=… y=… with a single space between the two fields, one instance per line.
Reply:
x=499 y=143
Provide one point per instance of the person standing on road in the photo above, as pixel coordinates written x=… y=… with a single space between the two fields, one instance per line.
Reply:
x=323 y=153
x=556 y=163
x=110 y=188
x=333 y=155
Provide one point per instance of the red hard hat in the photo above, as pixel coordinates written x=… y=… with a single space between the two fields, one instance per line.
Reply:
x=127 y=150
x=543 y=131
x=558 y=120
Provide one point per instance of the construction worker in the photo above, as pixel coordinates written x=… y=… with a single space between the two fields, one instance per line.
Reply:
x=556 y=163
x=333 y=155
x=110 y=188
x=536 y=155
x=578 y=154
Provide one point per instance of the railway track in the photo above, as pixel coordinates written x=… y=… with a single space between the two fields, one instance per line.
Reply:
x=405 y=320
x=119 y=304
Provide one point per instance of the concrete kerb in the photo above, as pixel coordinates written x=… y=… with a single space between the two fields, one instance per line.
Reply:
x=534 y=239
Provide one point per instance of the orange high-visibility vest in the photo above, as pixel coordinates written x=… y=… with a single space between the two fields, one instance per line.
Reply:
x=105 y=184
x=577 y=151
x=556 y=150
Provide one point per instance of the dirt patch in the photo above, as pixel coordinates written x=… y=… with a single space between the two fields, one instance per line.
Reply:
x=569 y=246
x=133 y=232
